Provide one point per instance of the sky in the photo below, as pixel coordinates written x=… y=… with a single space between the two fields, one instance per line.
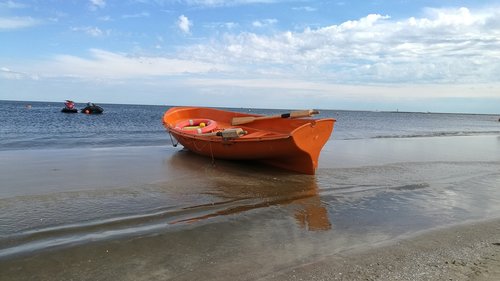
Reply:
x=406 y=55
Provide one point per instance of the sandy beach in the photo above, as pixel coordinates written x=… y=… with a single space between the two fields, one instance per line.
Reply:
x=377 y=209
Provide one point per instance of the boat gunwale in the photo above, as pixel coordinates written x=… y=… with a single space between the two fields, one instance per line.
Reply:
x=273 y=135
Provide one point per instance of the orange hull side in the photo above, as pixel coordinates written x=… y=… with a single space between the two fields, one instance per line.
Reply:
x=292 y=144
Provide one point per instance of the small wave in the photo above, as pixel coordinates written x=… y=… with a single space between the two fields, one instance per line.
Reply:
x=133 y=225
x=415 y=186
x=341 y=189
x=441 y=134
x=419 y=135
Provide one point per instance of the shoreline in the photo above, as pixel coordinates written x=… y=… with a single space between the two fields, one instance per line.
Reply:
x=468 y=251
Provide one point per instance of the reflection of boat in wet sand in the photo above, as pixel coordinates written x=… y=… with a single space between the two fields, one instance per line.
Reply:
x=242 y=190
x=313 y=215
x=287 y=141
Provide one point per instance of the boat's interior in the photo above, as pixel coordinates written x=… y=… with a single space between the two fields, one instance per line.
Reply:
x=269 y=128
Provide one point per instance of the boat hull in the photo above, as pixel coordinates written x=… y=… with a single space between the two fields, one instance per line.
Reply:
x=69 y=110
x=292 y=144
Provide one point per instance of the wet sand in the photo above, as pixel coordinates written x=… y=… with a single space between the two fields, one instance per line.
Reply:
x=465 y=252
x=380 y=209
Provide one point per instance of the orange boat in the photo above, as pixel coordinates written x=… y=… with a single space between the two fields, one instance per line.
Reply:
x=288 y=141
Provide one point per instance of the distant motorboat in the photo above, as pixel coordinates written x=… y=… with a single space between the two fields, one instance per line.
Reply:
x=69 y=107
x=92 y=109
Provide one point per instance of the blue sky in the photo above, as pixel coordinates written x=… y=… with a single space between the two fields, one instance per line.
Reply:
x=414 y=55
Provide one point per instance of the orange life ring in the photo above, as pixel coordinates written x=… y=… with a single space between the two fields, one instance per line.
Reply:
x=196 y=126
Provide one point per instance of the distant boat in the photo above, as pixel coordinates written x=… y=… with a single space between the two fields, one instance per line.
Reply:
x=92 y=109
x=287 y=141
x=69 y=107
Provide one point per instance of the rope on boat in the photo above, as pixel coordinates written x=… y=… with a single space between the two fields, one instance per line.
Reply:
x=172 y=139
x=212 y=153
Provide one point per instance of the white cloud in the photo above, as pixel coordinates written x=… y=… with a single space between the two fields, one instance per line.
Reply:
x=12 y=5
x=264 y=22
x=17 y=22
x=445 y=46
x=91 y=30
x=138 y=15
x=375 y=92
x=221 y=25
x=184 y=24
x=210 y=3
x=304 y=8
x=105 y=18
x=217 y=3
x=9 y=74
x=109 y=65
x=97 y=4
x=230 y=25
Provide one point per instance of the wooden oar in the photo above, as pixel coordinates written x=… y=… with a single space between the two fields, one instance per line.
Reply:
x=293 y=114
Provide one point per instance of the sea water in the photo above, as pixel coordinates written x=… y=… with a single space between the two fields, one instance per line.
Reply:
x=107 y=197
x=32 y=125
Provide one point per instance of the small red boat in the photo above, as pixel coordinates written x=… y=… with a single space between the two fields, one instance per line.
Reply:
x=288 y=141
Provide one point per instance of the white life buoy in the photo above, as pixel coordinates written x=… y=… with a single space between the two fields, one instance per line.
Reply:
x=196 y=126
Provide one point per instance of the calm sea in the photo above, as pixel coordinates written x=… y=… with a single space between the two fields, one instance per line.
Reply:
x=34 y=125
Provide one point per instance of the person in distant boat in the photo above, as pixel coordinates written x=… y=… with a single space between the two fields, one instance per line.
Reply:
x=90 y=104
x=69 y=104
x=69 y=107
